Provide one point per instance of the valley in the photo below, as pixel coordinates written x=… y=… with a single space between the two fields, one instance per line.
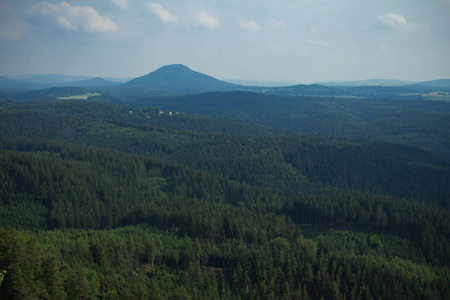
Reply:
x=177 y=185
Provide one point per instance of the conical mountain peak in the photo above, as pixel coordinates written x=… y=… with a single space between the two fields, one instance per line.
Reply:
x=180 y=78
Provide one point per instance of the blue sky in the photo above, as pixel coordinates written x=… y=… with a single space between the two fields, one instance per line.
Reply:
x=299 y=41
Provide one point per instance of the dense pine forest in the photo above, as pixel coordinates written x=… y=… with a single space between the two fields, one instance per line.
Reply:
x=189 y=201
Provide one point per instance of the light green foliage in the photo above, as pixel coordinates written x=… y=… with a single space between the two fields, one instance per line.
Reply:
x=80 y=97
x=2 y=275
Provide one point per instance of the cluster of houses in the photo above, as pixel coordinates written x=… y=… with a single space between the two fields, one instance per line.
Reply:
x=162 y=112
x=159 y=112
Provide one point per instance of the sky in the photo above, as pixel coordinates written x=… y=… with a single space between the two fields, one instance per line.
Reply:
x=301 y=41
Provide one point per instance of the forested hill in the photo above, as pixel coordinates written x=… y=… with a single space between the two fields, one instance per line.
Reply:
x=285 y=164
x=177 y=79
x=49 y=94
x=99 y=200
x=422 y=124
x=190 y=233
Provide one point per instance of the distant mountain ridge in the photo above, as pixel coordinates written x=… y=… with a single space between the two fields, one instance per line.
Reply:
x=178 y=79
x=93 y=82
x=49 y=94
x=8 y=85
x=260 y=83
x=369 y=82
x=49 y=78
x=443 y=83
x=45 y=81
x=438 y=83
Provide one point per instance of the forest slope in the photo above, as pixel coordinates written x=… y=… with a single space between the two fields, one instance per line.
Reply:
x=99 y=200
x=422 y=124
x=190 y=233
x=285 y=164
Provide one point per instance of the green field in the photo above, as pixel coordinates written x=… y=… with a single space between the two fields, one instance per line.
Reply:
x=80 y=97
x=438 y=96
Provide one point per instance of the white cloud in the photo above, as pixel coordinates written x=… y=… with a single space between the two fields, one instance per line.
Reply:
x=205 y=20
x=66 y=24
x=159 y=11
x=277 y=24
x=318 y=42
x=395 y=22
x=249 y=25
x=123 y=4
x=74 y=18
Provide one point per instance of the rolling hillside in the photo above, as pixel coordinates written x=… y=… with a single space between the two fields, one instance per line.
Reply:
x=415 y=123
x=100 y=200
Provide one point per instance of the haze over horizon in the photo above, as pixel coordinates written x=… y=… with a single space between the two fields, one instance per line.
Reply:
x=303 y=41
